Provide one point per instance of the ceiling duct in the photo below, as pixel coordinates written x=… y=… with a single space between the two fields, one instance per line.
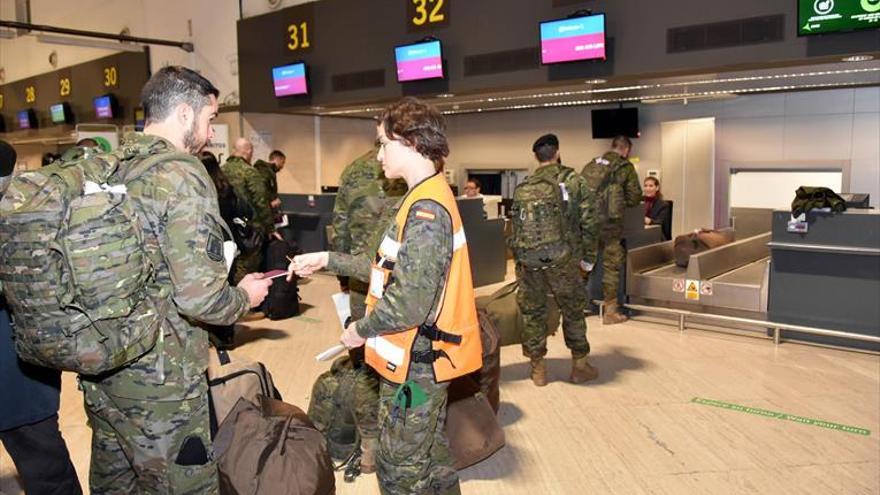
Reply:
x=358 y=80
x=504 y=61
x=738 y=32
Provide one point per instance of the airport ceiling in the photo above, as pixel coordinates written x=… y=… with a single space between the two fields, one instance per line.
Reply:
x=677 y=89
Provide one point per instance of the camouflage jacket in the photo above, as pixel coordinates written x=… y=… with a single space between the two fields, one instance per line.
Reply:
x=362 y=204
x=614 y=183
x=270 y=177
x=184 y=237
x=580 y=218
x=250 y=185
x=422 y=265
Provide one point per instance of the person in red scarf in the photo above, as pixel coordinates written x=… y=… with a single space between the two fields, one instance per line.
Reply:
x=657 y=210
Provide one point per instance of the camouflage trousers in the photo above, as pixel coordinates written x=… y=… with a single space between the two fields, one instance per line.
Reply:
x=246 y=263
x=154 y=447
x=414 y=456
x=613 y=260
x=565 y=284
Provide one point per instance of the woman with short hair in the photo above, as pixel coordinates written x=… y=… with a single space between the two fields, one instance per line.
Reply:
x=421 y=328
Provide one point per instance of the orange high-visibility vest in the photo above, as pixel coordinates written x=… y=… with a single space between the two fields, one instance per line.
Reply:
x=457 y=349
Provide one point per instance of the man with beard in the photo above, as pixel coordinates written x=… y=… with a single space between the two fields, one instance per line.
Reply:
x=149 y=419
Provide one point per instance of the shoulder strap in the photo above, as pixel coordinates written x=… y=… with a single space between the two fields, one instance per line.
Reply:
x=134 y=169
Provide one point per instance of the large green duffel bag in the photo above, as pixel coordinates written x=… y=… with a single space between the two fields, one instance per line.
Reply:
x=504 y=312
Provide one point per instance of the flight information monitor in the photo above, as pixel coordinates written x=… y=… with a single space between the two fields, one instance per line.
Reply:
x=60 y=113
x=290 y=80
x=104 y=107
x=27 y=119
x=569 y=40
x=419 y=61
x=835 y=16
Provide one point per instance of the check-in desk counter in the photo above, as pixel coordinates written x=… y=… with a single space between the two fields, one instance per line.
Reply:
x=308 y=216
x=485 y=242
x=827 y=277
x=635 y=235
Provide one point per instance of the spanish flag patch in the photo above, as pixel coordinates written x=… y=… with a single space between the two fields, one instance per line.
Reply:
x=425 y=215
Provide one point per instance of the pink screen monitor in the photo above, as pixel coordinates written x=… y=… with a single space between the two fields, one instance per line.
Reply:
x=569 y=40
x=419 y=61
x=290 y=80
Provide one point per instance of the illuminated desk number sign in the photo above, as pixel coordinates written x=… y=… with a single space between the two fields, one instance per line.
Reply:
x=111 y=77
x=298 y=36
x=426 y=14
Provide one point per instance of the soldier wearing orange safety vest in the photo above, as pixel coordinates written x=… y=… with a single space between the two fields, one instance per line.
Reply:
x=453 y=328
x=421 y=328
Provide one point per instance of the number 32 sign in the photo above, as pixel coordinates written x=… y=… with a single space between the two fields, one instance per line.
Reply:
x=426 y=14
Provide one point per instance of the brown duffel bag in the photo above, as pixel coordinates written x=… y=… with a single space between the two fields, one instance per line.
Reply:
x=472 y=426
x=489 y=376
x=232 y=376
x=696 y=242
x=502 y=308
x=270 y=447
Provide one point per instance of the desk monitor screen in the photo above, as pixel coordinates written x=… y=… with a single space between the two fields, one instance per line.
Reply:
x=419 y=61
x=290 y=80
x=60 y=113
x=104 y=107
x=570 y=40
x=27 y=119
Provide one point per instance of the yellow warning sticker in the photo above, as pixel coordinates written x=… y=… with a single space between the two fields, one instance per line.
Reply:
x=692 y=290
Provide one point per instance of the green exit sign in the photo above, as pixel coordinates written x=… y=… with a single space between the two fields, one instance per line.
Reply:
x=835 y=16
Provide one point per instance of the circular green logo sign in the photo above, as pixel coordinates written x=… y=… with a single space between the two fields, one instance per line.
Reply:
x=871 y=5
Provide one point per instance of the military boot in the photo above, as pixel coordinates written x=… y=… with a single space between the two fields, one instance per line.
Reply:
x=539 y=372
x=368 y=455
x=612 y=314
x=581 y=371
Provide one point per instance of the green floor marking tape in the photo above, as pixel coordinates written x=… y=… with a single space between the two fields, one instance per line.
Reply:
x=778 y=415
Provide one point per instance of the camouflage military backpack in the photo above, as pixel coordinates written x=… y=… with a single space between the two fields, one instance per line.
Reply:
x=73 y=266
x=809 y=198
x=343 y=398
x=600 y=175
x=537 y=212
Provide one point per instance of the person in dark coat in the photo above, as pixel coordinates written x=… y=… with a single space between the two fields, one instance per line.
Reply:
x=29 y=406
x=231 y=209
x=657 y=211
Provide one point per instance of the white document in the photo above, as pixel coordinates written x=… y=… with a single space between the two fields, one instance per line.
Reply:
x=331 y=352
x=343 y=310
x=229 y=252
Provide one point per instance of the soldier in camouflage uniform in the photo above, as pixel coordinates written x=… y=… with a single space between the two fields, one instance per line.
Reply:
x=269 y=170
x=414 y=455
x=149 y=420
x=561 y=280
x=250 y=185
x=360 y=214
x=614 y=184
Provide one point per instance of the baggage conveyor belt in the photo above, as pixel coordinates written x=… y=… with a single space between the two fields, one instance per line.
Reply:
x=727 y=280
